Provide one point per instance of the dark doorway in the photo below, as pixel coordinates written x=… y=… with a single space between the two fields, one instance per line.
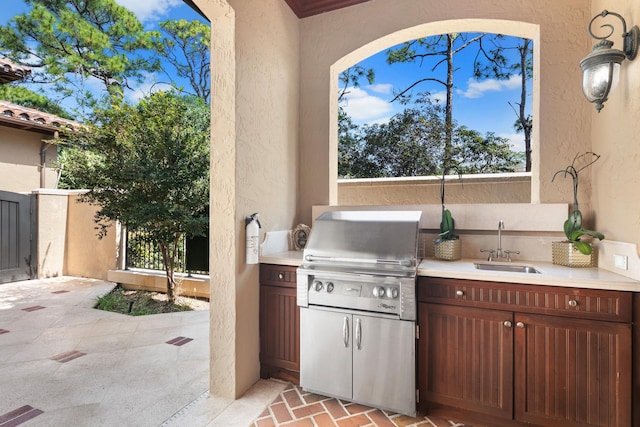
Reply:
x=17 y=237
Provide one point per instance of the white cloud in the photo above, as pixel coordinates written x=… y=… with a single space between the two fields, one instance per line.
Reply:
x=363 y=107
x=384 y=88
x=147 y=87
x=440 y=96
x=517 y=141
x=476 y=89
x=146 y=10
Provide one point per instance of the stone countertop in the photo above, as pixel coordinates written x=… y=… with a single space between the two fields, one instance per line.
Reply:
x=291 y=258
x=550 y=274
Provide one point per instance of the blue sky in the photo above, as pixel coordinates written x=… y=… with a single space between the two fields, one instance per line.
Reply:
x=479 y=105
x=149 y=12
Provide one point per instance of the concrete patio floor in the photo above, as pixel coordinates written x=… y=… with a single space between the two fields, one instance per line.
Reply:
x=64 y=363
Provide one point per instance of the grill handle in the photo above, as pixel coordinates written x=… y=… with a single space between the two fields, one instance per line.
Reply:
x=403 y=262
x=358 y=334
x=345 y=331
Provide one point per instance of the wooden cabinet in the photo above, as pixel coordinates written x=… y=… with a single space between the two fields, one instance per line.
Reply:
x=465 y=359
x=503 y=354
x=572 y=371
x=279 y=323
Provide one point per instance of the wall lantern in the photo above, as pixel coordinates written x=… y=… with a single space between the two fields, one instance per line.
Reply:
x=601 y=68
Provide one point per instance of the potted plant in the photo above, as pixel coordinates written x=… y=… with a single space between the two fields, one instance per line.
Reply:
x=447 y=246
x=574 y=252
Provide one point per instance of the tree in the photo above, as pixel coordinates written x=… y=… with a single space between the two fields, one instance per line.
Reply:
x=65 y=42
x=185 y=45
x=412 y=143
x=445 y=46
x=500 y=68
x=27 y=98
x=438 y=51
x=488 y=154
x=148 y=169
x=351 y=78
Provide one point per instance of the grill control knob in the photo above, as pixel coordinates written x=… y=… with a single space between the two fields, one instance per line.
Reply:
x=329 y=287
x=378 y=291
x=393 y=292
x=317 y=285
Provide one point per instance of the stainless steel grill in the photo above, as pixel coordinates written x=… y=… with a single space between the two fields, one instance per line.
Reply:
x=357 y=293
x=364 y=260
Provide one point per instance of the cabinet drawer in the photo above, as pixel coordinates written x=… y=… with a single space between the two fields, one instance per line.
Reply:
x=278 y=275
x=558 y=301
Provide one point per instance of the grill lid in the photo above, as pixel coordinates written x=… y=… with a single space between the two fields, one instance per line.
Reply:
x=368 y=240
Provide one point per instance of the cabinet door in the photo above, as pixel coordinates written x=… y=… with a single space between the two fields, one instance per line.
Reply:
x=325 y=352
x=466 y=359
x=279 y=329
x=384 y=363
x=572 y=372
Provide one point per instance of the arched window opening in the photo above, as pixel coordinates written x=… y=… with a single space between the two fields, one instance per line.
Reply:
x=455 y=95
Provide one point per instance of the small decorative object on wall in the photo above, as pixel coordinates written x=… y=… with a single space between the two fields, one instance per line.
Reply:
x=447 y=246
x=574 y=252
x=299 y=236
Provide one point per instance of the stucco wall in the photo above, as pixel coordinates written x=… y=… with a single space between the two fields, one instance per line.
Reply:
x=614 y=136
x=66 y=242
x=52 y=232
x=255 y=93
x=564 y=119
x=85 y=254
x=506 y=188
x=20 y=160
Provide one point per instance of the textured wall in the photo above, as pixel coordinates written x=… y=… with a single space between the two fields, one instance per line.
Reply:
x=81 y=236
x=20 y=160
x=615 y=136
x=512 y=188
x=328 y=38
x=255 y=93
x=52 y=232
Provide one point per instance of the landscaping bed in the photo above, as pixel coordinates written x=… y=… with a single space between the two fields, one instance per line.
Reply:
x=141 y=303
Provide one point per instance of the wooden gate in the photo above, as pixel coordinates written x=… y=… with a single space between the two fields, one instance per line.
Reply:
x=17 y=237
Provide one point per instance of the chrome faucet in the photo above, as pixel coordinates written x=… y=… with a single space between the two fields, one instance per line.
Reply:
x=499 y=253
x=500 y=228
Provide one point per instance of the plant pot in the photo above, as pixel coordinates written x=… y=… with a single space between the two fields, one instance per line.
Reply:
x=448 y=250
x=565 y=253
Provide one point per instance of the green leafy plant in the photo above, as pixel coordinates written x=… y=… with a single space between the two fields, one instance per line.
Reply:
x=137 y=303
x=573 y=225
x=447 y=224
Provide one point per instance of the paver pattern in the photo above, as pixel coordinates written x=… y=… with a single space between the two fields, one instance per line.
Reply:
x=65 y=363
x=296 y=408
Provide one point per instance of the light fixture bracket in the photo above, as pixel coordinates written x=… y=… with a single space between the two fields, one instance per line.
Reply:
x=630 y=39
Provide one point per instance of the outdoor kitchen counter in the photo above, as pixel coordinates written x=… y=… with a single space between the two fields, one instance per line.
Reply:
x=550 y=274
x=292 y=258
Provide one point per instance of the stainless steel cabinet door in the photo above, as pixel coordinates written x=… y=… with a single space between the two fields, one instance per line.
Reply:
x=384 y=363
x=325 y=352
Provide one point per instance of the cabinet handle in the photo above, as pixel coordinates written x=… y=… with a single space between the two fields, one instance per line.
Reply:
x=358 y=334
x=281 y=276
x=345 y=332
x=573 y=303
x=460 y=293
x=520 y=325
x=507 y=323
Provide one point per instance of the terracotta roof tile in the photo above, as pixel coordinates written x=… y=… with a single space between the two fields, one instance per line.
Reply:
x=18 y=116
x=10 y=72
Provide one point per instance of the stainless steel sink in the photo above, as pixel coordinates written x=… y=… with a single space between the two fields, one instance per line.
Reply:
x=512 y=268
